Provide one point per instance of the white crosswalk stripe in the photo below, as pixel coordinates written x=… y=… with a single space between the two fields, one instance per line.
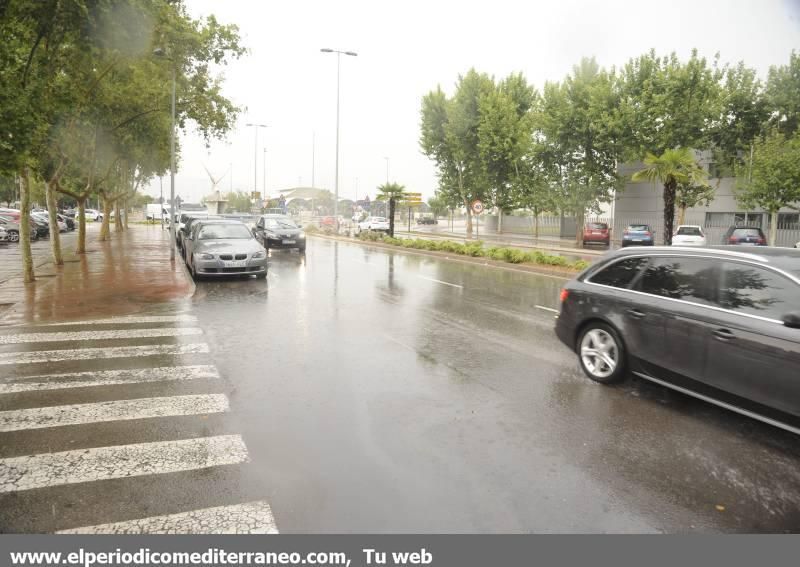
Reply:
x=132 y=319
x=118 y=410
x=101 y=352
x=110 y=378
x=21 y=338
x=248 y=518
x=119 y=461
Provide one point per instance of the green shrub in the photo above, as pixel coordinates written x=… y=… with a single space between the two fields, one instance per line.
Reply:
x=580 y=265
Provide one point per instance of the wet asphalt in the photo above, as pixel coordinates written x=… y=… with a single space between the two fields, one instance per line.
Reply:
x=383 y=391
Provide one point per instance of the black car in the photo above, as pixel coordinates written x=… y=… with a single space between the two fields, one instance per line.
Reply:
x=41 y=226
x=69 y=221
x=279 y=231
x=747 y=235
x=714 y=322
x=427 y=220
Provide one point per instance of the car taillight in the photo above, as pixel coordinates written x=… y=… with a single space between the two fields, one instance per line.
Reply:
x=564 y=295
x=761 y=241
x=733 y=240
x=647 y=233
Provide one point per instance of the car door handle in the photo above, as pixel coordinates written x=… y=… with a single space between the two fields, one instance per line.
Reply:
x=724 y=334
x=636 y=314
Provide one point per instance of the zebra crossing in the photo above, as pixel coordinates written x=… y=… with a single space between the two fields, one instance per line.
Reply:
x=125 y=404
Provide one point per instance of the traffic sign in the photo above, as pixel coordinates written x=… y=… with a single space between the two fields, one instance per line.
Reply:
x=477 y=207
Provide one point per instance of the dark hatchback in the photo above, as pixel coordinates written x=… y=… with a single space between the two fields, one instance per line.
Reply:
x=745 y=235
x=716 y=323
x=279 y=231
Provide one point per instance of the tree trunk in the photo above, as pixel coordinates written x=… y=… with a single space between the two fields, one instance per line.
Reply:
x=469 y=219
x=125 y=220
x=773 y=227
x=536 y=225
x=499 y=221
x=105 y=228
x=681 y=214
x=55 y=235
x=391 y=217
x=81 y=249
x=117 y=217
x=669 y=211
x=580 y=220
x=25 y=225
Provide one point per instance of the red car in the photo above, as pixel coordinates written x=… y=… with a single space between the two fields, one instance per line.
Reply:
x=596 y=233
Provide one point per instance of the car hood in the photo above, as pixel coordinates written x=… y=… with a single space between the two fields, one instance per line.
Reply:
x=228 y=246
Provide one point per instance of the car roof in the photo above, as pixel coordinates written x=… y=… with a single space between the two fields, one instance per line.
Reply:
x=782 y=258
x=689 y=226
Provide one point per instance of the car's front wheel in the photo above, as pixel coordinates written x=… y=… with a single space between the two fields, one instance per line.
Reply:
x=601 y=353
x=13 y=236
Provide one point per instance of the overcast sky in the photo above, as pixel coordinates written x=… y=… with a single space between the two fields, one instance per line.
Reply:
x=405 y=49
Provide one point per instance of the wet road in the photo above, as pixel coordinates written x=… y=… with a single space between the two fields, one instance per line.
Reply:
x=364 y=390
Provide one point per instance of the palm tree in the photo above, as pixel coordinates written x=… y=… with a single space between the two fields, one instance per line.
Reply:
x=391 y=192
x=672 y=168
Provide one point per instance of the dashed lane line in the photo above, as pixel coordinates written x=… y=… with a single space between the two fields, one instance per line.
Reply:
x=247 y=518
x=441 y=282
x=21 y=338
x=102 y=353
x=119 y=461
x=116 y=410
x=110 y=378
x=542 y=307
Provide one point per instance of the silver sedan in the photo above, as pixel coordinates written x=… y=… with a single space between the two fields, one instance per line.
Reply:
x=224 y=248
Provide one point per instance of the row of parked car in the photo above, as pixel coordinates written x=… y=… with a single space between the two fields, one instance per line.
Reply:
x=216 y=245
x=685 y=235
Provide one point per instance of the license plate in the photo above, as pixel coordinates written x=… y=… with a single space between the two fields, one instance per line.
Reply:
x=288 y=241
x=235 y=264
x=637 y=239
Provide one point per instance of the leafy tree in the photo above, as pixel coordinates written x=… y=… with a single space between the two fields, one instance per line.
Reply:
x=690 y=195
x=673 y=168
x=782 y=98
x=438 y=205
x=239 y=201
x=771 y=178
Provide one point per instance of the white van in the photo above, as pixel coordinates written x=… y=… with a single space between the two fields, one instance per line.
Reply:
x=156 y=211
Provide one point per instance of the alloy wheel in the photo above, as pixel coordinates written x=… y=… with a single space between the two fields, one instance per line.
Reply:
x=599 y=353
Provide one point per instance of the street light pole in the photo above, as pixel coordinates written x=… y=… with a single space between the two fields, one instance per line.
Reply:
x=264 y=174
x=172 y=175
x=255 y=154
x=387 y=169
x=336 y=175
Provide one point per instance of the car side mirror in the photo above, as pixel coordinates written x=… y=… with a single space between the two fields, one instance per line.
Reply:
x=792 y=320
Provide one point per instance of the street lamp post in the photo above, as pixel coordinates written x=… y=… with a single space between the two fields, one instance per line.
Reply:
x=264 y=174
x=255 y=154
x=387 y=169
x=336 y=176
x=161 y=52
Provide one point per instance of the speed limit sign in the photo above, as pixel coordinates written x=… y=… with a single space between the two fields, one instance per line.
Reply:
x=477 y=207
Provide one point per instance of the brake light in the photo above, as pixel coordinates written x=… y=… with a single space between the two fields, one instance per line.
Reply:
x=647 y=233
x=563 y=296
x=733 y=240
x=761 y=241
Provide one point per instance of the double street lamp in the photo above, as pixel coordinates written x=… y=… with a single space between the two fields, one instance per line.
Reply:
x=336 y=178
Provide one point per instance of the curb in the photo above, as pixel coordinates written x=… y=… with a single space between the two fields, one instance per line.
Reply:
x=524 y=268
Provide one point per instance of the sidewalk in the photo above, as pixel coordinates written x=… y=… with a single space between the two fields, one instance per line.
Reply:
x=130 y=274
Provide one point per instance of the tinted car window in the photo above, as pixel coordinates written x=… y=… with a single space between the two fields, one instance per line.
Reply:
x=757 y=291
x=639 y=227
x=690 y=279
x=689 y=231
x=744 y=232
x=619 y=274
x=597 y=226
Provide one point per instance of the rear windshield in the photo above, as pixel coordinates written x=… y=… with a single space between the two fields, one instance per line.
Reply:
x=690 y=231
x=597 y=226
x=747 y=232
x=639 y=227
x=378 y=219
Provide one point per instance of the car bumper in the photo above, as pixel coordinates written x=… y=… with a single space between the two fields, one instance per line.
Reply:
x=631 y=242
x=217 y=268
x=279 y=243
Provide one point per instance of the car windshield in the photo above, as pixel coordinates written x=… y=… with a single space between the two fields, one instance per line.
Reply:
x=690 y=231
x=639 y=227
x=280 y=223
x=597 y=226
x=747 y=232
x=223 y=232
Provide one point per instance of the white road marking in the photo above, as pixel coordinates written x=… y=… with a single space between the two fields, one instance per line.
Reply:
x=98 y=335
x=109 y=377
x=101 y=353
x=117 y=410
x=125 y=320
x=441 y=282
x=248 y=518
x=119 y=461
x=546 y=308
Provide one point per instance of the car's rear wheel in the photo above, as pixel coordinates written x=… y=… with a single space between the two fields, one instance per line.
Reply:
x=13 y=236
x=601 y=353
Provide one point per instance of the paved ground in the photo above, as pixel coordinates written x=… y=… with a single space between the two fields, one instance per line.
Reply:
x=356 y=390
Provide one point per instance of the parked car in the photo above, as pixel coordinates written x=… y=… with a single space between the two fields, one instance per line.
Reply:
x=41 y=224
x=427 y=219
x=44 y=217
x=185 y=225
x=13 y=214
x=596 y=232
x=12 y=228
x=689 y=235
x=713 y=322
x=745 y=235
x=279 y=231
x=69 y=221
x=638 y=235
x=93 y=215
x=3 y=235
x=378 y=224
x=224 y=248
